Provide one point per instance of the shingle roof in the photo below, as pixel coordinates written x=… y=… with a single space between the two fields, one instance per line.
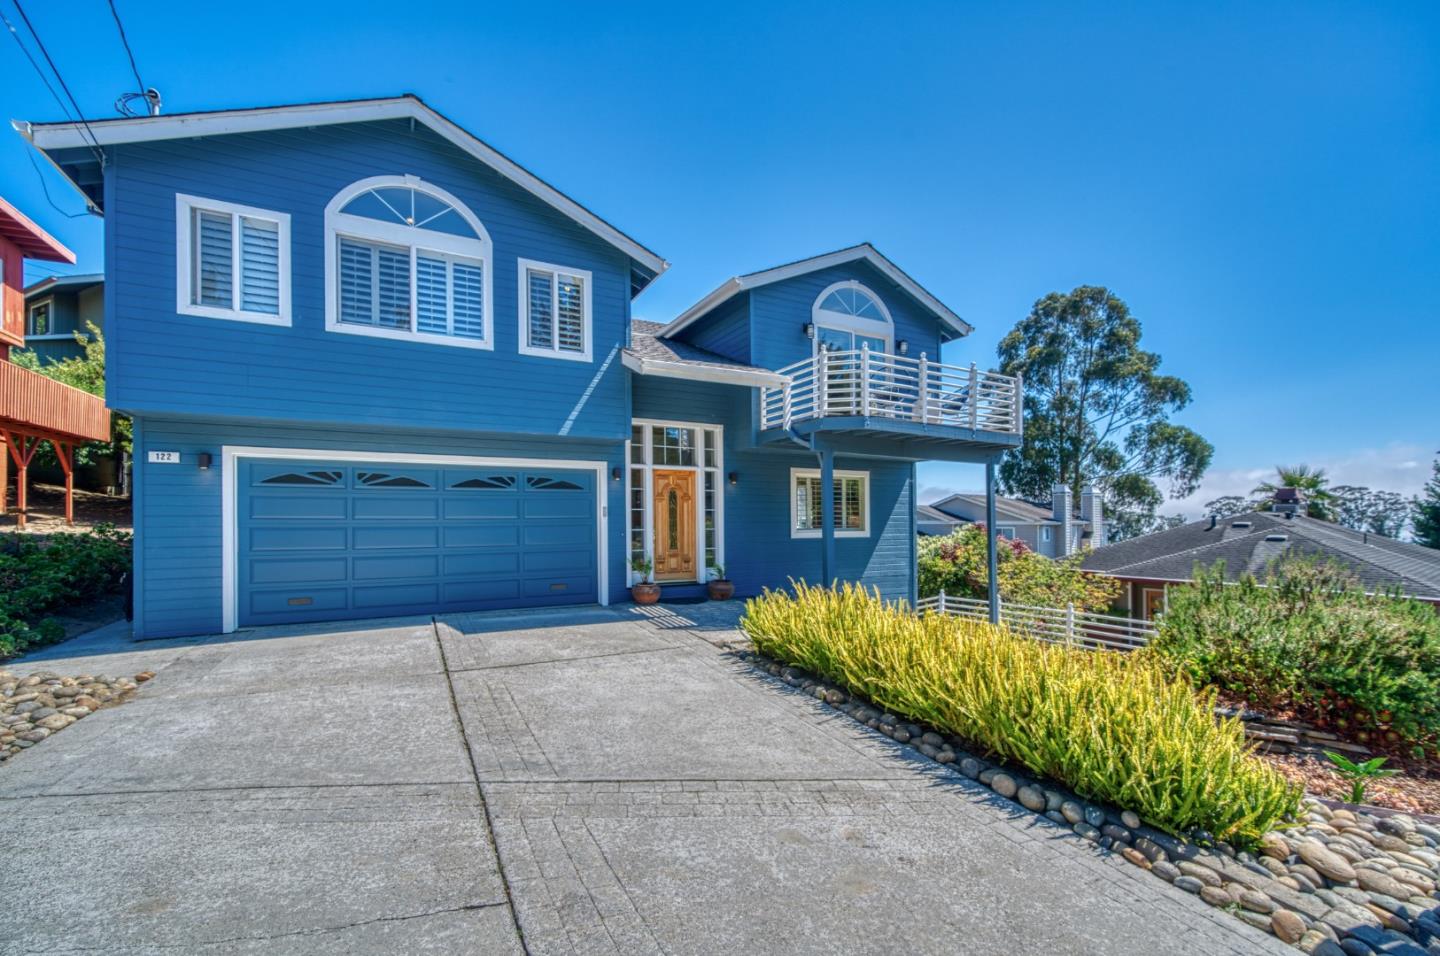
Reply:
x=1013 y=509
x=645 y=345
x=1380 y=563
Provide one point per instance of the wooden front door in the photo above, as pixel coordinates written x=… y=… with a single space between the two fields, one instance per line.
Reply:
x=674 y=511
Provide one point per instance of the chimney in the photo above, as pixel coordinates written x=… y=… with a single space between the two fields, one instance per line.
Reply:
x=1287 y=501
x=1093 y=511
x=1062 y=511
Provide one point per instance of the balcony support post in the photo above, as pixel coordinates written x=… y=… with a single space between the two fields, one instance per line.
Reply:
x=974 y=397
x=827 y=516
x=822 y=383
x=992 y=560
x=922 y=404
x=865 y=379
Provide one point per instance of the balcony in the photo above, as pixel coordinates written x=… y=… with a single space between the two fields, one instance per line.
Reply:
x=864 y=390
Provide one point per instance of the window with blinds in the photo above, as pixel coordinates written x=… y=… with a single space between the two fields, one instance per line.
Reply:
x=851 y=504
x=555 y=311
x=409 y=261
x=234 y=261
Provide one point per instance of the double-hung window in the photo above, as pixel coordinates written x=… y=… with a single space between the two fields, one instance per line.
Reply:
x=852 y=504
x=233 y=261
x=554 y=311
x=407 y=260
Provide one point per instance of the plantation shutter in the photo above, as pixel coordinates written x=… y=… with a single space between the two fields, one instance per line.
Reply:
x=356 y=283
x=570 y=313
x=392 y=287
x=540 y=325
x=214 y=262
x=259 y=266
x=469 y=283
x=431 y=306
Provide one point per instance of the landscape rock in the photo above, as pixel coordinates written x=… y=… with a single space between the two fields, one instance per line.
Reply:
x=1325 y=861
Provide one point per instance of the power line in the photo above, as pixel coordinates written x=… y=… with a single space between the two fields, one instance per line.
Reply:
x=126 y=43
x=46 y=189
x=95 y=143
x=39 y=72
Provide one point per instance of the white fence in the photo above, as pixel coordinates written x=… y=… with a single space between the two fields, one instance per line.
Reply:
x=1059 y=625
x=874 y=384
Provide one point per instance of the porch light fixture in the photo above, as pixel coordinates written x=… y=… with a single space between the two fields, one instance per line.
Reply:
x=733 y=477
x=203 y=460
x=614 y=474
x=903 y=347
x=809 y=328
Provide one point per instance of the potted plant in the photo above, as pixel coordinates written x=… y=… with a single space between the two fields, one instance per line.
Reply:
x=719 y=586
x=644 y=591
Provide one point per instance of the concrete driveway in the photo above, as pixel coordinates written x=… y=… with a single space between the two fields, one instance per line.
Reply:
x=593 y=780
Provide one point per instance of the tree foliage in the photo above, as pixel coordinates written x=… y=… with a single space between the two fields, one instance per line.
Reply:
x=1312 y=483
x=956 y=564
x=87 y=373
x=1097 y=409
x=1426 y=517
x=1378 y=512
x=1227 y=506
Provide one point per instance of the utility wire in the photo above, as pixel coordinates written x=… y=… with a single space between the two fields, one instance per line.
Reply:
x=126 y=43
x=38 y=72
x=95 y=143
x=44 y=187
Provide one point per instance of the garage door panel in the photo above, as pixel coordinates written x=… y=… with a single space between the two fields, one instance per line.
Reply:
x=482 y=506
x=395 y=567
x=394 y=506
x=321 y=540
x=298 y=538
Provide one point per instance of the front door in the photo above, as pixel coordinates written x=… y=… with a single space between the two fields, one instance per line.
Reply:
x=674 y=510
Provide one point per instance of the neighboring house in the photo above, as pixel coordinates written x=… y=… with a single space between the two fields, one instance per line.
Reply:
x=377 y=368
x=1247 y=543
x=58 y=308
x=35 y=409
x=1054 y=532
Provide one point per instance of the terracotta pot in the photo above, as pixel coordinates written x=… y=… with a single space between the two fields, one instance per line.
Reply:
x=645 y=593
x=721 y=589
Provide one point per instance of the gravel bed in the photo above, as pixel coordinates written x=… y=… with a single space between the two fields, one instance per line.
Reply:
x=1337 y=882
x=40 y=704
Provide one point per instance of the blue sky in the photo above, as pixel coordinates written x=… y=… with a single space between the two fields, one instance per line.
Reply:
x=1258 y=181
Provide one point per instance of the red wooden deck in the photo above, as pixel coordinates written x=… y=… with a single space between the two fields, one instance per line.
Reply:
x=35 y=409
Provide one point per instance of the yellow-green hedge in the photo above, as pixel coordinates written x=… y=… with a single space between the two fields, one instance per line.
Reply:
x=1114 y=728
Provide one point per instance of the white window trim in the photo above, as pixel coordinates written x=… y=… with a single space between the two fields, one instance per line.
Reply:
x=1045 y=534
x=185 y=207
x=362 y=229
x=864 y=476
x=229 y=495
x=522 y=269
x=870 y=328
x=1001 y=530
x=30 y=311
x=648 y=467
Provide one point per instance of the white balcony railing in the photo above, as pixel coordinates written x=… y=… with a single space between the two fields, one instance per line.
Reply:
x=1060 y=625
x=873 y=384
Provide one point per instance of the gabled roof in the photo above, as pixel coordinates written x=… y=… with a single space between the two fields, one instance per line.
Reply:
x=1012 y=509
x=59 y=136
x=1380 y=563
x=75 y=283
x=33 y=242
x=649 y=355
x=864 y=251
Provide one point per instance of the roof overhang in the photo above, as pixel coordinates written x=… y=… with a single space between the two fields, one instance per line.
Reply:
x=864 y=251
x=691 y=371
x=32 y=241
x=48 y=137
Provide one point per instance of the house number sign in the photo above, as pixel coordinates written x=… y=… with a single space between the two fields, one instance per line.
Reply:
x=164 y=457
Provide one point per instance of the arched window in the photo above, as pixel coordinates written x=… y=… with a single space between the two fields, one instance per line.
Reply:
x=848 y=316
x=405 y=259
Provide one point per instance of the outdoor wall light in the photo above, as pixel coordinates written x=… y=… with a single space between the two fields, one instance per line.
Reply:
x=614 y=474
x=903 y=347
x=734 y=477
x=203 y=460
x=809 y=328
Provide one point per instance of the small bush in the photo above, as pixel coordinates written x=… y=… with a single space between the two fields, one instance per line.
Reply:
x=41 y=575
x=1115 y=728
x=956 y=563
x=1307 y=638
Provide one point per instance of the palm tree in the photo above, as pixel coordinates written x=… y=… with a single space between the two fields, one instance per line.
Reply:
x=1313 y=483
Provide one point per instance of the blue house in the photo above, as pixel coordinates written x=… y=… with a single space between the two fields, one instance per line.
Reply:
x=57 y=310
x=377 y=368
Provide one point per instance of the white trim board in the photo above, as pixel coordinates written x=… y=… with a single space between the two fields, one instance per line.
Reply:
x=229 y=489
x=753 y=378
x=839 y=532
x=864 y=251
x=523 y=268
x=185 y=249
x=49 y=136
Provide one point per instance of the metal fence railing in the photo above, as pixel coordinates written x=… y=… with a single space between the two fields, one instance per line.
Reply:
x=1083 y=629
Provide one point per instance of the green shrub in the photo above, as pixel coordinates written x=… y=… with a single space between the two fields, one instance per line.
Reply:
x=956 y=564
x=1307 y=638
x=40 y=575
x=1116 y=728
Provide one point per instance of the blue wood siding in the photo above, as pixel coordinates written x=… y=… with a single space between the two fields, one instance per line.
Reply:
x=726 y=331
x=779 y=311
x=163 y=362
x=69 y=311
x=759 y=551
x=178 y=507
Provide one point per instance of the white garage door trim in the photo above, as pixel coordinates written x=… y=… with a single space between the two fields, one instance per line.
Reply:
x=230 y=456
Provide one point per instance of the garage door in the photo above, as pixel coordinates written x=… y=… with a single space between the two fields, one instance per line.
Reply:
x=324 y=540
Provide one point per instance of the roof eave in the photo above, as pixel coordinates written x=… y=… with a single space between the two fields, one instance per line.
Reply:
x=752 y=378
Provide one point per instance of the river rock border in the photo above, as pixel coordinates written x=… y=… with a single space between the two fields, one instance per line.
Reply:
x=1341 y=882
x=34 y=707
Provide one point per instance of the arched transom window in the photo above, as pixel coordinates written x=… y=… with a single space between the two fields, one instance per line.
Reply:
x=849 y=316
x=407 y=260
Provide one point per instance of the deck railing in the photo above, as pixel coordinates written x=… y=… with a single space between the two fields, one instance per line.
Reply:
x=1065 y=625
x=31 y=403
x=874 y=384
